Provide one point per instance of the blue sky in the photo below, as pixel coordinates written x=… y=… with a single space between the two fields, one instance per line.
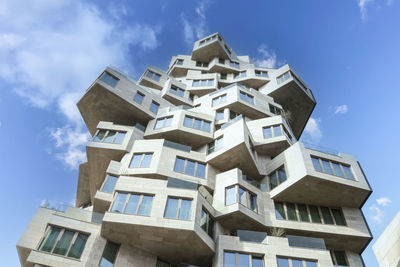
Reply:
x=347 y=52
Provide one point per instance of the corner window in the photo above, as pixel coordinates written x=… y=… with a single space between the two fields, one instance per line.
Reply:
x=109 y=136
x=109 y=184
x=339 y=258
x=246 y=97
x=138 y=97
x=152 y=75
x=219 y=100
x=109 y=79
x=207 y=223
x=219 y=115
x=277 y=177
x=178 y=208
x=154 y=107
x=163 y=122
x=237 y=194
x=215 y=145
x=274 y=110
x=109 y=254
x=141 y=160
x=63 y=242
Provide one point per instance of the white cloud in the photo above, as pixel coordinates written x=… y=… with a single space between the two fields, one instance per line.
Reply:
x=383 y=201
x=378 y=213
x=312 y=130
x=197 y=27
x=267 y=59
x=342 y=109
x=51 y=51
x=362 y=5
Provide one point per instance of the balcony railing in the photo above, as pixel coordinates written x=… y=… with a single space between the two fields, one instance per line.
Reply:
x=321 y=149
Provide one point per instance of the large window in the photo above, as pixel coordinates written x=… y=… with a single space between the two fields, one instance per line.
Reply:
x=152 y=75
x=333 y=168
x=246 y=97
x=197 y=124
x=309 y=213
x=277 y=177
x=201 y=64
x=178 y=208
x=215 y=145
x=283 y=77
x=163 y=122
x=109 y=184
x=219 y=100
x=141 y=160
x=132 y=203
x=339 y=258
x=179 y=61
x=286 y=262
x=234 y=64
x=241 y=74
x=154 y=107
x=109 y=79
x=238 y=194
x=190 y=167
x=207 y=223
x=138 y=97
x=260 y=73
x=177 y=91
x=63 y=242
x=205 y=82
x=109 y=136
x=109 y=254
x=239 y=259
x=272 y=131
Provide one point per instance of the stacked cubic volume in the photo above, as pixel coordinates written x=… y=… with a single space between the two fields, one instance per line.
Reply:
x=201 y=166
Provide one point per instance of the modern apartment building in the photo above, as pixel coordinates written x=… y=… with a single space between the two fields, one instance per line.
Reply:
x=387 y=246
x=200 y=165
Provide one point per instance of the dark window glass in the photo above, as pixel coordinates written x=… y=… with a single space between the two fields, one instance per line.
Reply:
x=291 y=210
x=303 y=213
x=282 y=175
x=100 y=135
x=109 y=254
x=326 y=215
x=64 y=242
x=253 y=202
x=242 y=196
x=50 y=239
x=280 y=211
x=315 y=217
x=273 y=180
x=339 y=219
x=340 y=258
x=78 y=246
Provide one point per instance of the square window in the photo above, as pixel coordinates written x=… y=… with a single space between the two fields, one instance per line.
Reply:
x=138 y=97
x=179 y=165
x=109 y=79
x=154 y=107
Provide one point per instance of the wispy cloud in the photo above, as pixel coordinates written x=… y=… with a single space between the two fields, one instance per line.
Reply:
x=196 y=27
x=267 y=58
x=51 y=51
x=342 y=109
x=377 y=213
x=313 y=132
x=383 y=201
x=362 y=5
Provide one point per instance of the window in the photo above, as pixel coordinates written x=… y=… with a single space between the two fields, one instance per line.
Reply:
x=223 y=76
x=132 y=203
x=233 y=114
x=142 y=160
x=177 y=91
x=218 y=100
x=178 y=208
x=138 y=97
x=207 y=82
x=286 y=262
x=332 y=168
x=227 y=49
x=277 y=177
x=219 y=115
x=190 y=167
x=237 y=194
x=197 y=124
x=234 y=64
x=283 y=77
x=179 y=61
x=239 y=259
x=191 y=97
x=260 y=73
x=215 y=145
x=309 y=213
x=272 y=131
x=152 y=75
x=154 y=107
x=161 y=263
x=109 y=254
x=221 y=61
x=207 y=223
x=63 y=242
x=241 y=74
x=109 y=79
x=274 y=110
x=339 y=258
x=163 y=122
x=109 y=184
x=246 y=97
x=109 y=136
x=201 y=64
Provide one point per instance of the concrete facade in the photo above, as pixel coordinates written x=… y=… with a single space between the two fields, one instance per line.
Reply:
x=200 y=165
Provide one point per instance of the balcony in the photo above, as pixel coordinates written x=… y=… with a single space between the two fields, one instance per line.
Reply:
x=297 y=100
x=319 y=178
x=251 y=78
x=175 y=240
x=120 y=101
x=271 y=135
x=175 y=92
x=154 y=78
x=182 y=126
x=210 y=47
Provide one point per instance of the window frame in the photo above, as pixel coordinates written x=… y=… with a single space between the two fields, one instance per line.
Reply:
x=178 y=209
x=203 y=122
x=129 y=194
x=218 y=100
x=115 y=256
x=210 y=228
x=315 y=159
x=138 y=93
x=115 y=79
x=163 y=121
x=278 y=177
x=117 y=132
x=143 y=154
x=154 y=104
x=247 y=192
x=195 y=169
x=250 y=257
